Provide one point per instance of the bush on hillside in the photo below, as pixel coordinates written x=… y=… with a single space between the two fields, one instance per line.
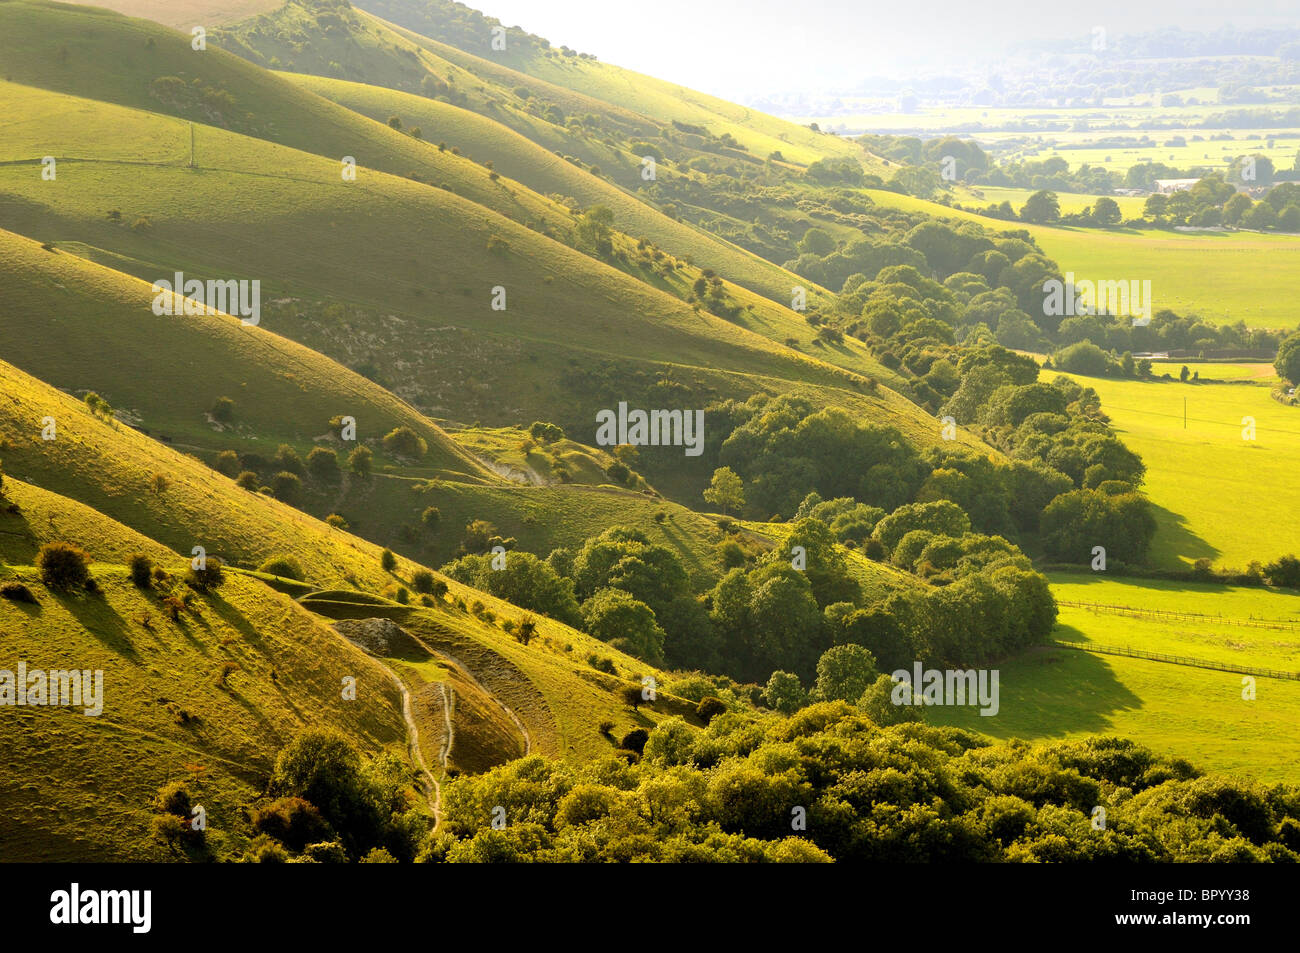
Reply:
x=62 y=565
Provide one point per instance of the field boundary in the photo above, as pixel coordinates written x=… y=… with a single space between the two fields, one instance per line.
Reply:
x=1176 y=660
x=1284 y=624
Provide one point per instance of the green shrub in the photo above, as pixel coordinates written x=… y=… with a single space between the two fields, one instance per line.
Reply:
x=141 y=571
x=62 y=565
x=286 y=567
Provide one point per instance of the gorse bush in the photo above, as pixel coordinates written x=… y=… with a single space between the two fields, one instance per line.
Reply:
x=62 y=566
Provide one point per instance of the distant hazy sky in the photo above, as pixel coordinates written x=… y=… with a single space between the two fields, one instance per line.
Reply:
x=739 y=49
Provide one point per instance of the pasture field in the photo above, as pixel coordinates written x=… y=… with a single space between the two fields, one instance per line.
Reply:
x=1193 y=713
x=1216 y=495
x=1224 y=277
x=1189 y=712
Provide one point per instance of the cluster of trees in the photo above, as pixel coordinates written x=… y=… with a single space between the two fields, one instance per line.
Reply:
x=327 y=804
x=1212 y=201
x=830 y=782
x=782 y=449
x=1167 y=331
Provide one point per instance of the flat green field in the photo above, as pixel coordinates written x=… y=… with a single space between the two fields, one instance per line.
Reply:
x=1188 y=712
x=1129 y=206
x=1224 y=277
x=1216 y=495
x=1213 y=371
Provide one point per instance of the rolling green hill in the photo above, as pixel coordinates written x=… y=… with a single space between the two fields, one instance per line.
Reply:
x=468 y=44
x=98 y=332
x=208 y=698
x=563 y=303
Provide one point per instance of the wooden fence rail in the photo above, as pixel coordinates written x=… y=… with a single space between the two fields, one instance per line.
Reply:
x=1283 y=624
x=1177 y=659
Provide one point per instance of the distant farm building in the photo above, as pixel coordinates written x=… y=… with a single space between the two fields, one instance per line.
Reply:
x=1170 y=186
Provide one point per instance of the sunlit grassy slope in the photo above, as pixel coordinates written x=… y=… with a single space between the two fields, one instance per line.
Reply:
x=1217 y=495
x=111 y=467
x=626 y=89
x=82 y=785
x=522 y=159
x=84 y=327
x=562 y=305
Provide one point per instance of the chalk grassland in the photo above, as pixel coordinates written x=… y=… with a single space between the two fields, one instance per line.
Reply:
x=80 y=326
x=110 y=468
x=78 y=787
x=1217 y=496
x=1224 y=277
x=559 y=296
x=523 y=160
x=649 y=96
x=164 y=373
x=1194 y=713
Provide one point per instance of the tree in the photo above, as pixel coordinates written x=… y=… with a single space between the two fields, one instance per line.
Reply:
x=784 y=693
x=710 y=707
x=526 y=581
x=141 y=571
x=360 y=461
x=387 y=561
x=431 y=517
x=210 y=576
x=62 y=565
x=877 y=702
x=287 y=459
x=627 y=624
x=286 y=567
x=1106 y=211
x=223 y=410
x=816 y=241
x=323 y=463
x=227 y=462
x=725 y=490
x=287 y=486
x=1287 y=362
x=1041 y=208
x=844 y=672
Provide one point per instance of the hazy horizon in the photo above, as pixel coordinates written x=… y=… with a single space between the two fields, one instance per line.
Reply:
x=836 y=44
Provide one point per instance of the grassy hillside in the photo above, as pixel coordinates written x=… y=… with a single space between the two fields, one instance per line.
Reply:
x=561 y=304
x=522 y=159
x=208 y=698
x=102 y=333
x=470 y=38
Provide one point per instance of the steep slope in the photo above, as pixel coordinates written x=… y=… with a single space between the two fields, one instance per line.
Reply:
x=99 y=332
x=110 y=467
x=466 y=40
x=208 y=698
x=524 y=160
x=286 y=227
